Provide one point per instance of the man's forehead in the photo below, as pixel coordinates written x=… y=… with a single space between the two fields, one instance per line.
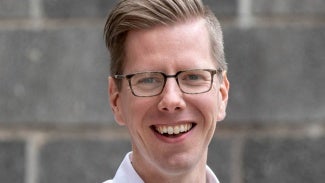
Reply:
x=186 y=41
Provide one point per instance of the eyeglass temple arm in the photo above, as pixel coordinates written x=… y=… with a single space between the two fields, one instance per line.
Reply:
x=119 y=76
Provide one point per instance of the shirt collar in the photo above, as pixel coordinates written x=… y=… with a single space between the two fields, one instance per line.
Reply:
x=126 y=173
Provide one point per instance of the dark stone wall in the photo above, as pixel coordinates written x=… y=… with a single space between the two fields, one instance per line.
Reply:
x=56 y=124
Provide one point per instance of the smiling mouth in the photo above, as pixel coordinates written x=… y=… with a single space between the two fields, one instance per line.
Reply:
x=173 y=130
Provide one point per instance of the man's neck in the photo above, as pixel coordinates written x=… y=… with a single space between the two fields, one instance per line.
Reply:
x=152 y=174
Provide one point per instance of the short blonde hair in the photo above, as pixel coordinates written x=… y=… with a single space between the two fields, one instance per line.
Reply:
x=144 y=14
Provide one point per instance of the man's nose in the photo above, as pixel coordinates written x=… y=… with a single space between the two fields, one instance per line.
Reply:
x=171 y=97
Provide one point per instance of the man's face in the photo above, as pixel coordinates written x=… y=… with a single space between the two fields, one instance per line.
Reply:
x=169 y=49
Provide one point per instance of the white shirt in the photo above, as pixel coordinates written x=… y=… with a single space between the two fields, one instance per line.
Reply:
x=126 y=173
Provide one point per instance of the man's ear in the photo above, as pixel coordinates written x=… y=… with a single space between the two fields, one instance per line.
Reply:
x=114 y=100
x=223 y=92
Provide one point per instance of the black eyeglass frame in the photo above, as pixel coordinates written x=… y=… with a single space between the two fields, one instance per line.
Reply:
x=129 y=76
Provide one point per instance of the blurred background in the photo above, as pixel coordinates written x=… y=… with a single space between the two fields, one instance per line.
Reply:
x=56 y=124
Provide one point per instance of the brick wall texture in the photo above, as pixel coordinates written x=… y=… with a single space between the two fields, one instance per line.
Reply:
x=56 y=124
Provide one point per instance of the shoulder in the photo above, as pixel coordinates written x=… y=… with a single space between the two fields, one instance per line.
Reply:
x=108 y=181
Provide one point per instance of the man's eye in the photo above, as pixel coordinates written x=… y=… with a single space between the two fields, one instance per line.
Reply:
x=149 y=80
x=192 y=77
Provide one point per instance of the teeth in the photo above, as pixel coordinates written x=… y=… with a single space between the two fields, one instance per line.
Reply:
x=170 y=130
x=176 y=129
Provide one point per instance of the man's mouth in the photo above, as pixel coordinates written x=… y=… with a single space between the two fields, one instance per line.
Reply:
x=172 y=130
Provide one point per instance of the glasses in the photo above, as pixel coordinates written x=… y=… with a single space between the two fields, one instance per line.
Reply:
x=148 y=84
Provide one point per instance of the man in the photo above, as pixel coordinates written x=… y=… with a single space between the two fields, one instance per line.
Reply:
x=168 y=86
